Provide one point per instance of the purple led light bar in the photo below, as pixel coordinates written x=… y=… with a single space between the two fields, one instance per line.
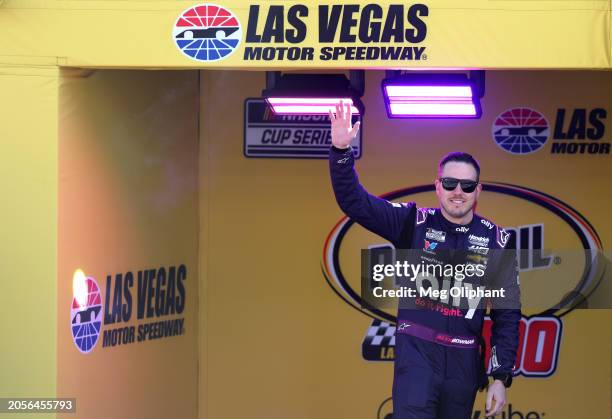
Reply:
x=428 y=108
x=432 y=96
x=312 y=94
x=307 y=106
x=399 y=91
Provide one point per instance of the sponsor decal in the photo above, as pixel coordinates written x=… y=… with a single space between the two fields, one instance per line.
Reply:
x=403 y=326
x=540 y=333
x=443 y=309
x=430 y=246
x=135 y=307
x=520 y=130
x=502 y=237
x=359 y=32
x=433 y=234
x=289 y=136
x=461 y=229
x=487 y=224
x=207 y=32
x=421 y=215
x=463 y=341
x=479 y=249
x=478 y=240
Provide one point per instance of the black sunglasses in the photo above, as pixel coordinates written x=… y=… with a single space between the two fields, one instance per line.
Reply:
x=450 y=183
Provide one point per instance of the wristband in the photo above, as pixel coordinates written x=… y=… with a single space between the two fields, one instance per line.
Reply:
x=341 y=150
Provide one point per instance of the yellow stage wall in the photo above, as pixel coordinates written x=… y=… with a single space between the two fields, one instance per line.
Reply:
x=128 y=203
x=28 y=175
x=281 y=341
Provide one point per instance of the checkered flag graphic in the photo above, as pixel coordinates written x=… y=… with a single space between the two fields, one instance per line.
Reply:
x=379 y=335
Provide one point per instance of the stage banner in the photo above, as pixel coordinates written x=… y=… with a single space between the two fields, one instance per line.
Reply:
x=128 y=270
x=286 y=332
x=307 y=34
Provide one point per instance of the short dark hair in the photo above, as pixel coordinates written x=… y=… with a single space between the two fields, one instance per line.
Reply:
x=461 y=157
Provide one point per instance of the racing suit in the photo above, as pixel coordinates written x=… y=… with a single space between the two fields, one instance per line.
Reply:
x=433 y=379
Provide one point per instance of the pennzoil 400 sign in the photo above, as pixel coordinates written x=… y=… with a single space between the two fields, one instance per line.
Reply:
x=541 y=329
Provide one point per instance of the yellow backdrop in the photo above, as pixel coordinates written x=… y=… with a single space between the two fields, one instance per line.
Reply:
x=281 y=341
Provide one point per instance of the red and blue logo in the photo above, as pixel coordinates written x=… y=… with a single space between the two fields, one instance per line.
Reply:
x=207 y=32
x=520 y=130
x=85 y=312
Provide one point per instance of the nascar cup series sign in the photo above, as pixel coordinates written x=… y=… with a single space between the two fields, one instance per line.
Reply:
x=291 y=136
x=300 y=32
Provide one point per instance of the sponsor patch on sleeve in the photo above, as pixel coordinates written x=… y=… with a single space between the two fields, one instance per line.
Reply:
x=502 y=237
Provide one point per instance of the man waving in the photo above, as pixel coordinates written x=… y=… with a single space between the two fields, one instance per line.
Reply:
x=438 y=367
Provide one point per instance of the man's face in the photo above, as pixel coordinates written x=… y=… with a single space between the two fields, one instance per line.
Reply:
x=457 y=203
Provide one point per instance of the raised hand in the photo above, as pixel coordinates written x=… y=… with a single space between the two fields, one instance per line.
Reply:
x=341 y=131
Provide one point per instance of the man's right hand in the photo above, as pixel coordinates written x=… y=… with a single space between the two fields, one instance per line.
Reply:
x=341 y=131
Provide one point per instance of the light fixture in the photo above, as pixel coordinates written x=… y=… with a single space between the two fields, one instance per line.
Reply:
x=313 y=94
x=433 y=95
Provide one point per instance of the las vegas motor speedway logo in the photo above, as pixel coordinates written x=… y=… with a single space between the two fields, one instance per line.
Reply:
x=352 y=32
x=85 y=312
x=157 y=295
x=520 y=130
x=278 y=32
x=207 y=32
x=523 y=130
